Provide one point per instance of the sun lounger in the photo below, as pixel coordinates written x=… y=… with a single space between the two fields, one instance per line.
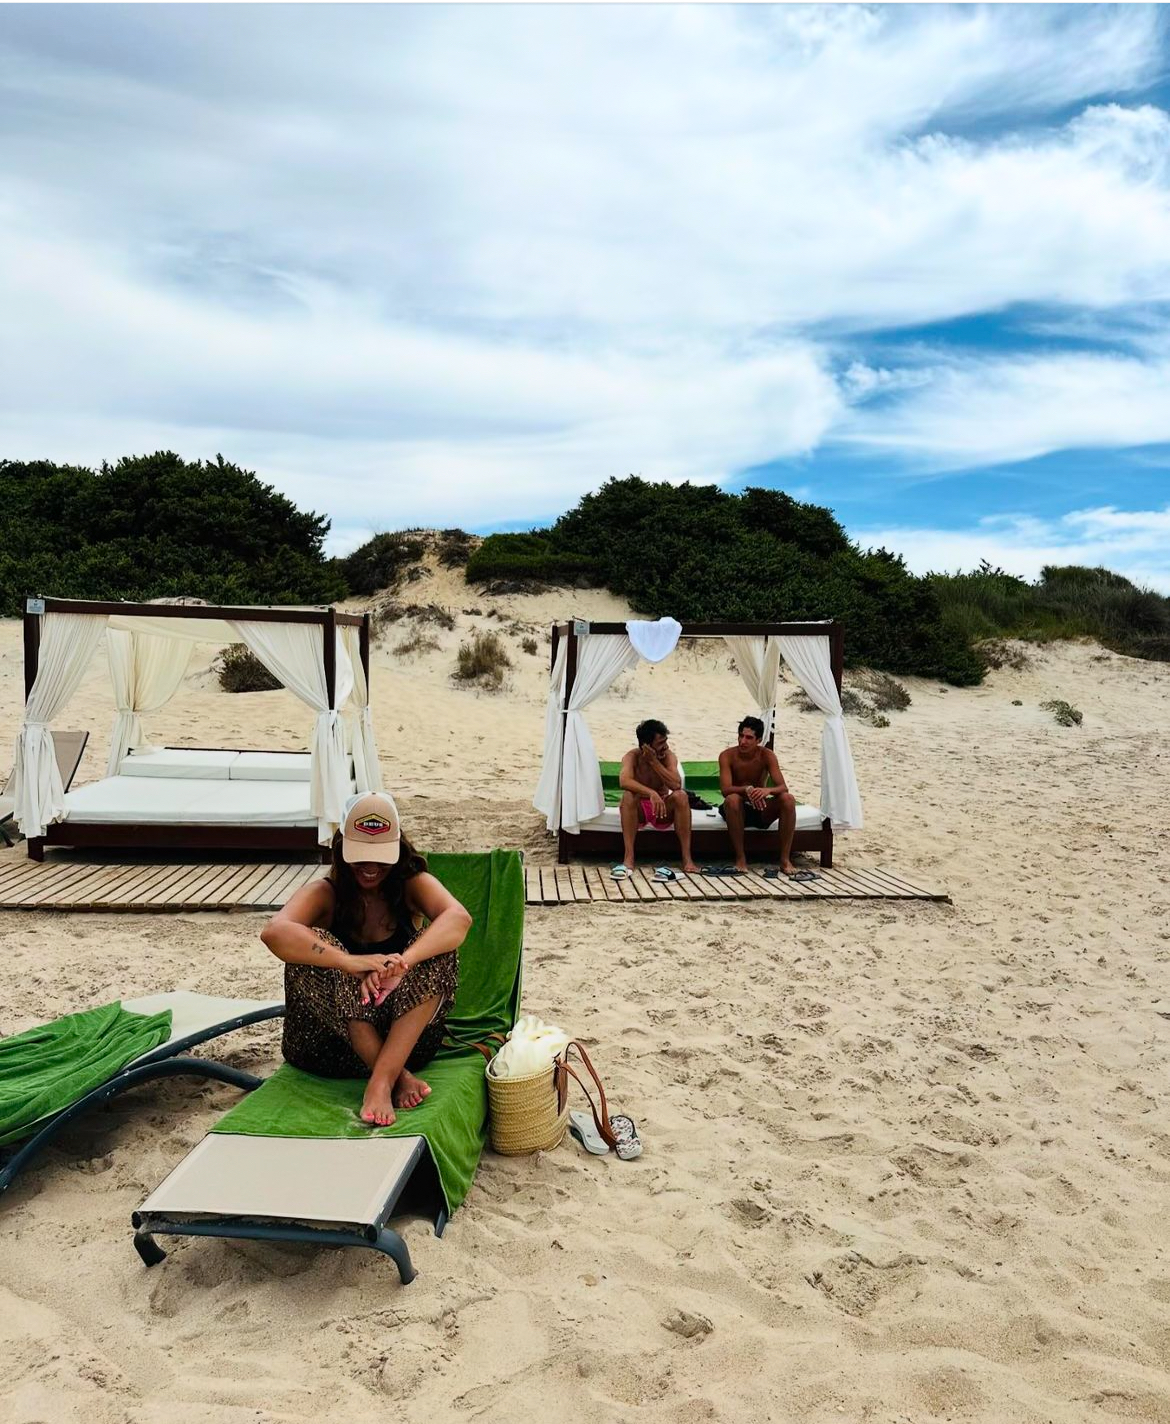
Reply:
x=193 y=1019
x=68 y=747
x=294 y=1162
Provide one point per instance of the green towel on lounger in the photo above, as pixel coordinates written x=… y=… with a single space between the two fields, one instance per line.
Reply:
x=45 y=1069
x=454 y=1118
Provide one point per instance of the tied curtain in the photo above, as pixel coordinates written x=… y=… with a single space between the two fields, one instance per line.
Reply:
x=146 y=670
x=758 y=663
x=809 y=660
x=366 y=767
x=570 y=789
x=292 y=652
x=68 y=641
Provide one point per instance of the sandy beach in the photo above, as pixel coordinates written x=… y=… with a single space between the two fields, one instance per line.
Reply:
x=903 y=1162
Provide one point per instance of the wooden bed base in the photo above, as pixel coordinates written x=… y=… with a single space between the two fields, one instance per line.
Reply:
x=712 y=845
x=124 y=835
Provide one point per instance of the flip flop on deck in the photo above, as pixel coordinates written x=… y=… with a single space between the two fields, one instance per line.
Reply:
x=52 y=1074
x=800 y=875
x=293 y=1162
x=719 y=872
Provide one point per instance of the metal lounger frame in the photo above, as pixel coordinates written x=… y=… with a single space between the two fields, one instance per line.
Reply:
x=166 y=1061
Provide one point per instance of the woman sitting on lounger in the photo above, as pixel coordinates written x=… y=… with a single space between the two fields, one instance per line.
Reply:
x=367 y=993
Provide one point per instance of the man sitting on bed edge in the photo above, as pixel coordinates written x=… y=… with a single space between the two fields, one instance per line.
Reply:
x=367 y=987
x=652 y=793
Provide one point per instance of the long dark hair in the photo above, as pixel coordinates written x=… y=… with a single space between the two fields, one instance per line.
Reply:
x=347 y=900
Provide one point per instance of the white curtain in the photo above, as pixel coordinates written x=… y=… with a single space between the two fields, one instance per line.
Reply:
x=809 y=659
x=68 y=641
x=548 y=789
x=146 y=672
x=367 y=769
x=292 y=652
x=571 y=766
x=758 y=662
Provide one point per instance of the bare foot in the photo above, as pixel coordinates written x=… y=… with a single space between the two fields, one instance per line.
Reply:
x=690 y=868
x=631 y=865
x=409 y=1091
x=788 y=868
x=742 y=865
x=377 y=1107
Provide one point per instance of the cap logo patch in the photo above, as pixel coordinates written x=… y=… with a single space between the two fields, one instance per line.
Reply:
x=373 y=825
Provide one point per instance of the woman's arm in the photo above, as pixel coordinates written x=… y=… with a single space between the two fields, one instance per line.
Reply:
x=449 y=921
x=291 y=934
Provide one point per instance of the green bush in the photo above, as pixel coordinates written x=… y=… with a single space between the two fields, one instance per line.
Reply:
x=483 y=660
x=240 y=670
x=528 y=557
x=455 y=547
x=155 y=526
x=701 y=555
x=1067 y=601
x=381 y=562
x=1064 y=712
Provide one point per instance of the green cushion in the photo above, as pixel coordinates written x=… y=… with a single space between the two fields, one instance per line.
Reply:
x=702 y=777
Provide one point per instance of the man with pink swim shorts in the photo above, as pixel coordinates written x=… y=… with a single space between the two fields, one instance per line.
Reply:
x=652 y=792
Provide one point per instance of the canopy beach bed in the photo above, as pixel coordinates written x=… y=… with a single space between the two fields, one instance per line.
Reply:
x=587 y=657
x=184 y=798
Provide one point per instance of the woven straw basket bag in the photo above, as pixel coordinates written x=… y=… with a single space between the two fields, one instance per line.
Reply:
x=531 y=1113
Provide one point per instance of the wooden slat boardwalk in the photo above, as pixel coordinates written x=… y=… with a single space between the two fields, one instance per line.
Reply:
x=564 y=885
x=87 y=885
x=84 y=885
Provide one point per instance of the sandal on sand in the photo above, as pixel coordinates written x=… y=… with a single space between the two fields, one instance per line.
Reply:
x=664 y=872
x=583 y=1128
x=629 y=1144
x=619 y=872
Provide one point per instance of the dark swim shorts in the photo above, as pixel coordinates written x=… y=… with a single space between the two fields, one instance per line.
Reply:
x=754 y=820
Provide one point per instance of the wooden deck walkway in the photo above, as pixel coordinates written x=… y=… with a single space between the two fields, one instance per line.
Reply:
x=572 y=884
x=84 y=884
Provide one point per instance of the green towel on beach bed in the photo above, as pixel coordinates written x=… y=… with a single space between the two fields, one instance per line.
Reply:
x=45 y=1069
x=702 y=777
x=454 y=1118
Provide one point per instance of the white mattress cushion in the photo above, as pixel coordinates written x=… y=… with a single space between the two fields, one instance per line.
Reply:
x=271 y=766
x=808 y=818
x=139 y=800
x=178 y=764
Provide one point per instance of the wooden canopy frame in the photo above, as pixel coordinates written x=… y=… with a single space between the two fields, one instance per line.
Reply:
x=705 y=842
x=190 y=836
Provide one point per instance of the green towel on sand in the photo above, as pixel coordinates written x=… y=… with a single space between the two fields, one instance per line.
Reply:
x=45 y=1069
x=454 y=1118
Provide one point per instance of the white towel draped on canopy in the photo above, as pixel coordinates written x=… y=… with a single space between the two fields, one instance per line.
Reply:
x=654 y=641
x=570 y=789
x=757 y=661
x=809 y=659
x=146 y=670
x=292 y=652
x=68 y=641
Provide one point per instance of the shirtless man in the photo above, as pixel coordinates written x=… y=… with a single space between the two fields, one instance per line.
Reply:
x=744 y=771
x=652 y=793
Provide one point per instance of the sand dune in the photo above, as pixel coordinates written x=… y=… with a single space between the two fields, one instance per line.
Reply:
x=903 y=1162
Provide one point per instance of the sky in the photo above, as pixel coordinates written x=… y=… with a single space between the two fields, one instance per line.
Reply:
x=458 y=265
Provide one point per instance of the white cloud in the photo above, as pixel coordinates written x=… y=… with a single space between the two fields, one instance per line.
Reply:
x=463 y=263
x=975 y=412
x=1131 y=542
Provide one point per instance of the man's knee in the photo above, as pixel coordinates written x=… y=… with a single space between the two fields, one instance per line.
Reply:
x=788 y=801
x=679 y=798
x=734 y=802
x=629 y=799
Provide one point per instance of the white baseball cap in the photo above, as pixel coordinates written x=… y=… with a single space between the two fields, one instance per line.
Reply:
x=372 y=830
